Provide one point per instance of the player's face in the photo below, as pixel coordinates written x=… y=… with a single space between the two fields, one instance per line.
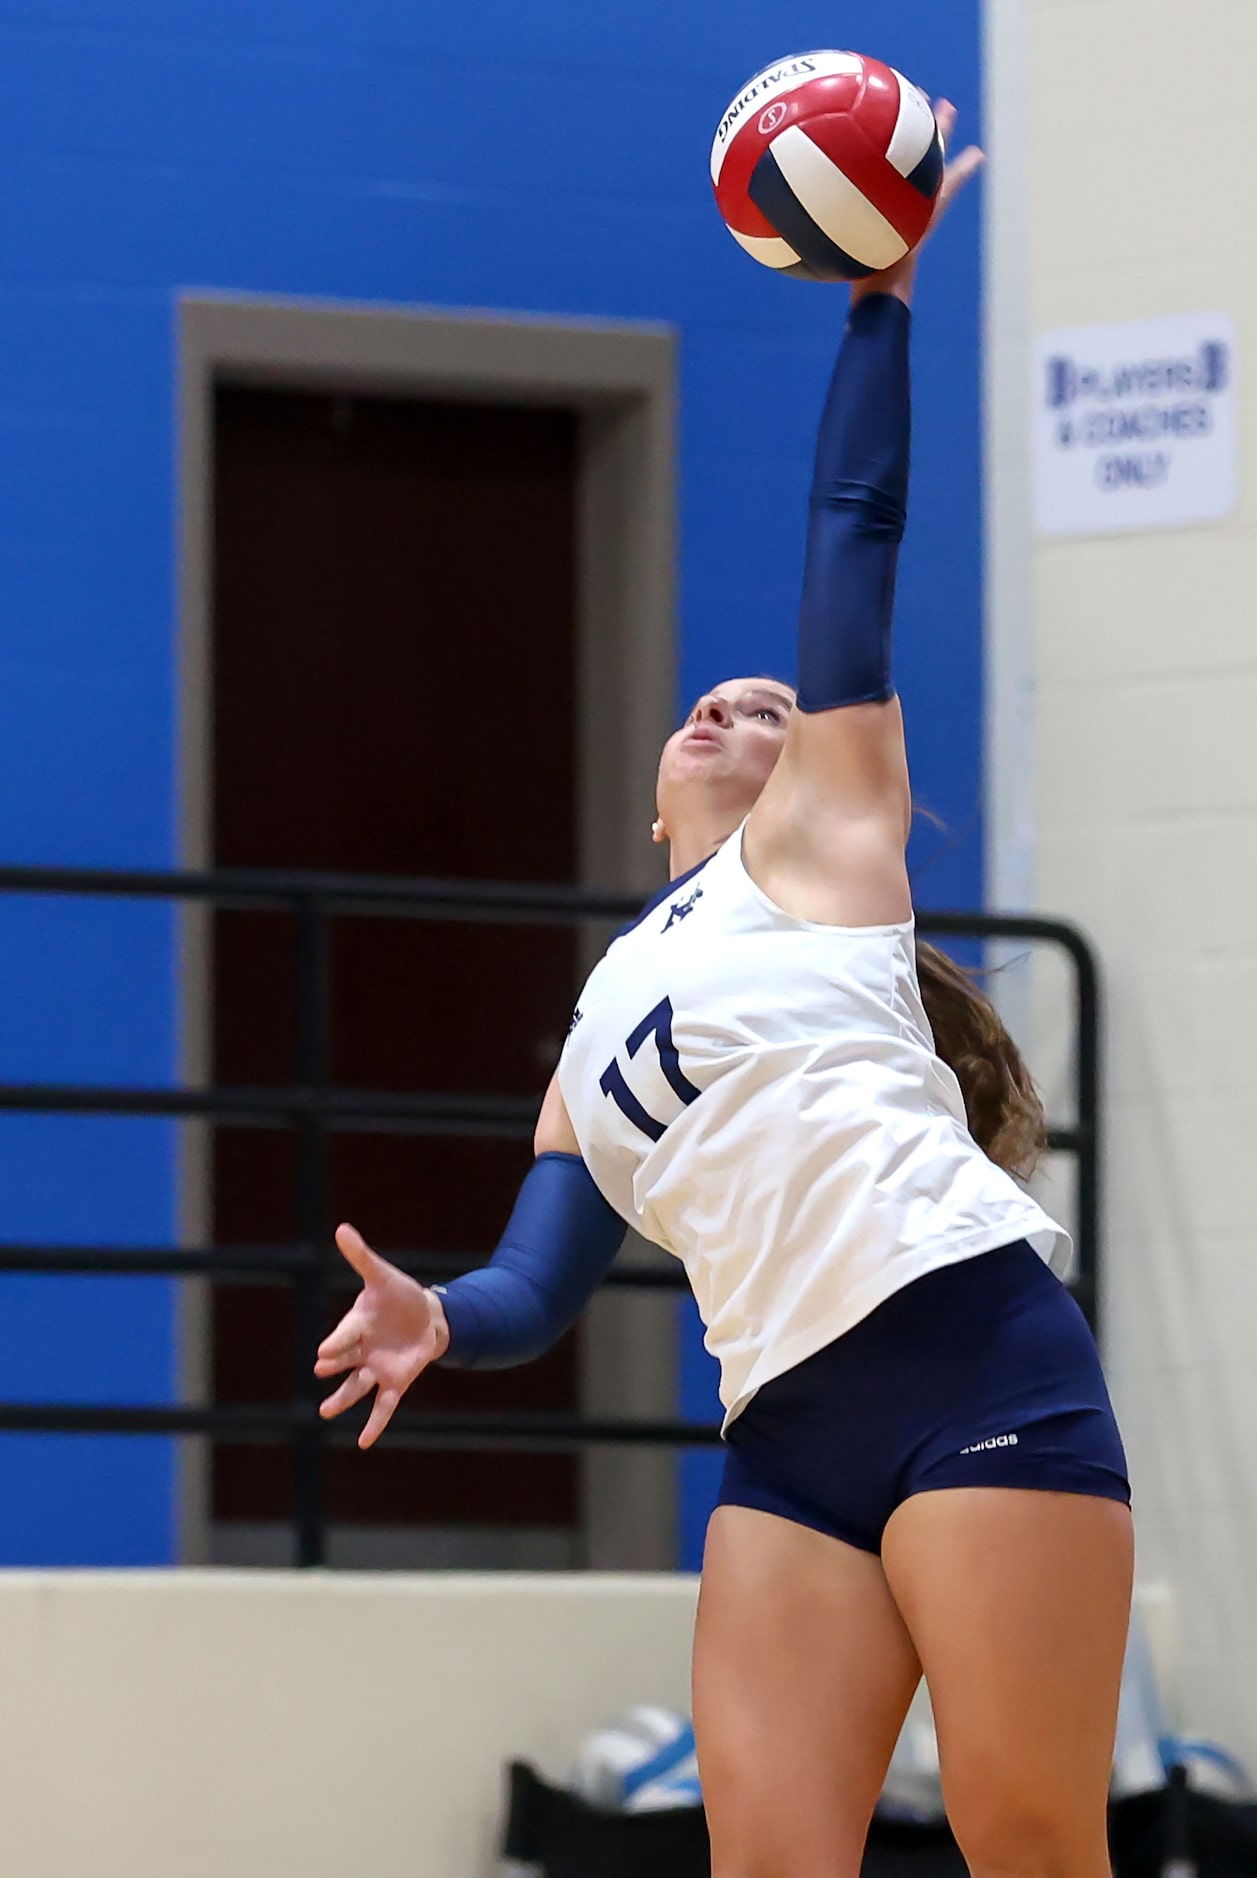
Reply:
x=728 y=745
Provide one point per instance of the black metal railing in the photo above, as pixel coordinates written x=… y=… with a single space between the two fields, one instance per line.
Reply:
x=314 y=1108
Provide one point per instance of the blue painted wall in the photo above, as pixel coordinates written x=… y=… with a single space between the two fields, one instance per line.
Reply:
x=550 y=157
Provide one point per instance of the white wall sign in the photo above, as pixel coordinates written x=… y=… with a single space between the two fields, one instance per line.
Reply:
x=1135 y=425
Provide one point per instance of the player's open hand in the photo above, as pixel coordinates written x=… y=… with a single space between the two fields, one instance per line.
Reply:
x=392 y=1332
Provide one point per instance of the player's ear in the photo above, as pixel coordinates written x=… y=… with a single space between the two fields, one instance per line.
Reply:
x=658 y=831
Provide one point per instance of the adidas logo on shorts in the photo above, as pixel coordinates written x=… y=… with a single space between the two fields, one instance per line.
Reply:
x=996 y=1441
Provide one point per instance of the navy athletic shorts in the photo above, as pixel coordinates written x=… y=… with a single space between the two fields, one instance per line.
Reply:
x=980 y=1374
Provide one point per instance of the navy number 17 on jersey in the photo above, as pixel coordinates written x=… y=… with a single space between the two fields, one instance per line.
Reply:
x=656 y=1023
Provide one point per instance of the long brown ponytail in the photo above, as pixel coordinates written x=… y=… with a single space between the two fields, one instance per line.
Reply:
x=1005 y=1114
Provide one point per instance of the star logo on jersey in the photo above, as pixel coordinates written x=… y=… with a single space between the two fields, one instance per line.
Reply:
x=681 y=909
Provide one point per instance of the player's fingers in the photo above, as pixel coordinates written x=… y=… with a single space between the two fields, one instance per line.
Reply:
x=945 y=117
x=354 y=1248
x=343 y=1341
x=351 y=1390
x=381 y=1415
x=967 y=164
x=959 y=171
x=334 y=1365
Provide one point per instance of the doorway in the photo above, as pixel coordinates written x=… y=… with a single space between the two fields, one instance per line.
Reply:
x=398 y=674
x=394 y=692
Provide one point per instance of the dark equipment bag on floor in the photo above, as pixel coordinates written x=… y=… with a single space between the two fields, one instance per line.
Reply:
x=1217 y=1837
x=568 y=1839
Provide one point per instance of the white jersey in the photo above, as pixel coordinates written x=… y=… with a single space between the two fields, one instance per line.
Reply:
x=759 y=1095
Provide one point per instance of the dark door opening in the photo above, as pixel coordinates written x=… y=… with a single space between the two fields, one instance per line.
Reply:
x=394 y=692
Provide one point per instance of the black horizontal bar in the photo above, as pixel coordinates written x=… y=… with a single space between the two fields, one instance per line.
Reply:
x=265 y=1263
x=261 y=1265
x=259 y=1424
x=359 y=894
x=345 y=1111
x=257 y=1262
x=632 y=1275
x=443 y=899
x=557 y=1434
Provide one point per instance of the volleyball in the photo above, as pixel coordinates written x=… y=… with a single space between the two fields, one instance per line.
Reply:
x=827 y=165
x=642 y=1763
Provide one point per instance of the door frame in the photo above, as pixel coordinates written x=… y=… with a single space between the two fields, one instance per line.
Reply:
x=620 y=379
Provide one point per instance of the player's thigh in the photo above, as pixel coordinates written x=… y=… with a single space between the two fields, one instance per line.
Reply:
x=803 y=1671
x=1018 y=1604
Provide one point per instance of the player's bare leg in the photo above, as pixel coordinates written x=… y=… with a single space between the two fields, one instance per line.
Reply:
x=1018 y=1604
x=803 y=1672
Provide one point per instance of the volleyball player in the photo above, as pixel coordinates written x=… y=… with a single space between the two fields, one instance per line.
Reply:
x=923 y=1470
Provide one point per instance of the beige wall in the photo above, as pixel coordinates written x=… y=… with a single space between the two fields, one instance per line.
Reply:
x=1128 y=126
x=200 y=1725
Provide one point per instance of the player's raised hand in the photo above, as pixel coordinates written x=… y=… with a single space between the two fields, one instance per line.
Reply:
x=393 y=1330
x=900 y=279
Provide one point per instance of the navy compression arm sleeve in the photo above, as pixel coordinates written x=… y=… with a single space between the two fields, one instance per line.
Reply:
x=556 y=1250
x=857 y=512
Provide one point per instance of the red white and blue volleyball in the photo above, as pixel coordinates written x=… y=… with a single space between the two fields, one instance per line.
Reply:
x=827 y=165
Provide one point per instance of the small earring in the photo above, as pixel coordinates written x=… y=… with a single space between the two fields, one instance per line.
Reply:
x=658 y=832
